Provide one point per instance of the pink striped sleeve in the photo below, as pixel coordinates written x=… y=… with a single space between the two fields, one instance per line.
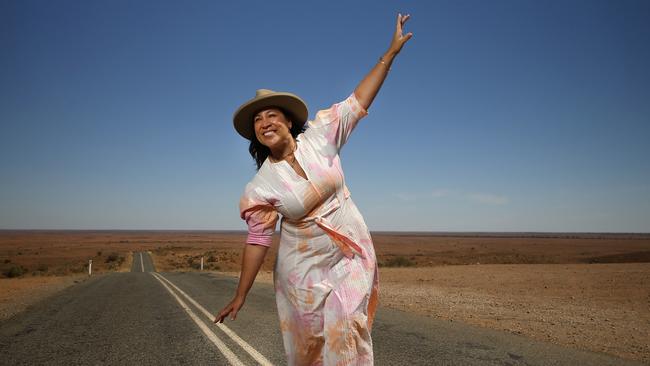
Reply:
x=261 y=221
x=260 y=216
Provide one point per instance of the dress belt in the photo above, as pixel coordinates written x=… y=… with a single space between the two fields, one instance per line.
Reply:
x=347 y=246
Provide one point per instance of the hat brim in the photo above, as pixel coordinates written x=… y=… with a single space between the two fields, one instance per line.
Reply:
x=290 y=103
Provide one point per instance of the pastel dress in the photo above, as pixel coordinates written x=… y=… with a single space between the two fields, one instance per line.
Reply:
x=326 y=272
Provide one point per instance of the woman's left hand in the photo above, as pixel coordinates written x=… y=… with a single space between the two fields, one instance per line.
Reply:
x=400 y=39
x=369 y=86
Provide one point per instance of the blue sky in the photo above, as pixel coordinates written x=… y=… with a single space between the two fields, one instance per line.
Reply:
x=496 y=116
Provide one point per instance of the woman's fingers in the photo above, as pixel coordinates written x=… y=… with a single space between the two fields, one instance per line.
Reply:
x=223 y=314
x=399 y=39
x=219 y=318
x=401 y=19
x=404 y=19
x=231 y=309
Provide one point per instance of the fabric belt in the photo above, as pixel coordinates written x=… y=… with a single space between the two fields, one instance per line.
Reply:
x=347 y=246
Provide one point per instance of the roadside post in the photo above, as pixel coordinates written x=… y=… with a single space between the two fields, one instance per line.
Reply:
x=90 y=267
x=201 y=263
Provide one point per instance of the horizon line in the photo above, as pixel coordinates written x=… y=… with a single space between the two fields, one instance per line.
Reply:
x=397 y=232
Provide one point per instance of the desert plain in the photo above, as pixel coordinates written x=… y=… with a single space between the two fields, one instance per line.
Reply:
x=580 y=290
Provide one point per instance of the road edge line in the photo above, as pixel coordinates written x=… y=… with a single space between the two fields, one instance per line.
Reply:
x=229 y=332
x=230 y=356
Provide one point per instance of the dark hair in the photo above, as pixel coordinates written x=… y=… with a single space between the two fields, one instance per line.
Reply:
x=260 y=152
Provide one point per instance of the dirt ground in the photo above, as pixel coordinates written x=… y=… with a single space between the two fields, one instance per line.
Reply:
x=16 y=294
x=597 y=307
x=587 y=291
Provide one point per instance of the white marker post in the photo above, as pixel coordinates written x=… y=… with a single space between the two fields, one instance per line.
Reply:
x=201 y=263
x=90 y=267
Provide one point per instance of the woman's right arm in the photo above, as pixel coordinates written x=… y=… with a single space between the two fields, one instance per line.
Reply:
x=251 y=262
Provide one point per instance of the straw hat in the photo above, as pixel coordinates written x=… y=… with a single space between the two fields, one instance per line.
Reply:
x=265 y=98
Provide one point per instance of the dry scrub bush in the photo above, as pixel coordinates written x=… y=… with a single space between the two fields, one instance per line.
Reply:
x=113 y=257
x=14 y=271
x=400 y=261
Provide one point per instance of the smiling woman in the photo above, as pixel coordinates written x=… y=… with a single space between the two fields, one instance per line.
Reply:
x=326 y=271
x=271 y=124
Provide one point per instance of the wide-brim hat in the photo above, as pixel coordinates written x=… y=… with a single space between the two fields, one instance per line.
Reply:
x=265 y=98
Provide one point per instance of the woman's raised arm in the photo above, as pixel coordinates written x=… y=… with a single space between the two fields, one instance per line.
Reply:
x=369 y=86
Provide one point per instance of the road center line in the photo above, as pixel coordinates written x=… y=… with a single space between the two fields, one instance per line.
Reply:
x=242 y=343
x=230 y=356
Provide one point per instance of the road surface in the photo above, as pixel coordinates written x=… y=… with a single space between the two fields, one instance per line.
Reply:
x=147 y=318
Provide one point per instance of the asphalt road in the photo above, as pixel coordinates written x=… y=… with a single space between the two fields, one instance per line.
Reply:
x=149 y=318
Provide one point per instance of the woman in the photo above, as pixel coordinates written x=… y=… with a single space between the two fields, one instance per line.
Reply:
x=325 y=272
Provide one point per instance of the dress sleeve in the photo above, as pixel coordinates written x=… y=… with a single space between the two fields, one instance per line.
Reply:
x=260 y=216
x=338 y=121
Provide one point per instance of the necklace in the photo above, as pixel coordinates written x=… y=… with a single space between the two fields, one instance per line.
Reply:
x=295 y=147
x=293 y=162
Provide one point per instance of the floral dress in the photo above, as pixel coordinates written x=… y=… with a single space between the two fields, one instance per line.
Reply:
x=326 y=272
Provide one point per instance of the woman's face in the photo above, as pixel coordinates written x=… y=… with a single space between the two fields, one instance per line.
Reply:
x=272 y=127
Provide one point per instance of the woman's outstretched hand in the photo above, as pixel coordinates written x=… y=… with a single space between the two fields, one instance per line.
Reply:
x=232 y=308
x=400 y=39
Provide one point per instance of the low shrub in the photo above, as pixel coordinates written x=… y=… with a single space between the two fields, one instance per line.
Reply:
x=398 y=262
x=78 y=269
x=113 y=257
x=15 y=271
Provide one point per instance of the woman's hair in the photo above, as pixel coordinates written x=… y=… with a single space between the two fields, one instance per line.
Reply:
x=260 y=152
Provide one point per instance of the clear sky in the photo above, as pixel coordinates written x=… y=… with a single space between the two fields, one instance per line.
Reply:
x=497 y=115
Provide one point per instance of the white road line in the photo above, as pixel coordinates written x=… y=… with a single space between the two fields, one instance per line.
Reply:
x=141 y=264
x=242 y=343
x=230 y=356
